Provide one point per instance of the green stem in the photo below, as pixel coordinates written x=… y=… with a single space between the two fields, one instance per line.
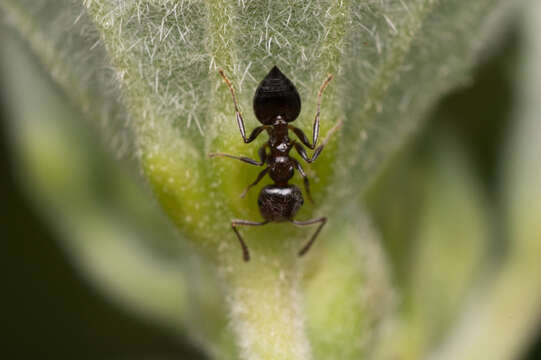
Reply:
x=265 y=308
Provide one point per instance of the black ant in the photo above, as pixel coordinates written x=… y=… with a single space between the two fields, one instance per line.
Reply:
x=276 y=104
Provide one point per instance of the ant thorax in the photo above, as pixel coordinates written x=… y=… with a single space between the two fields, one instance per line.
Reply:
x=279 y=137
x=280 y=145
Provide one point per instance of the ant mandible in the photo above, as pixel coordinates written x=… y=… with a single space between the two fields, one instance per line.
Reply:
x=276 y=104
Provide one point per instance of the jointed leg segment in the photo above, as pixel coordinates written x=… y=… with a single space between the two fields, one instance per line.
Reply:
x=315 y=130
x=240 y=122
x=302 y=151
x=261 y=152
x=305 y=179
x=234 y=224
x=321 y=220
x=257 y=180
x=241 y=158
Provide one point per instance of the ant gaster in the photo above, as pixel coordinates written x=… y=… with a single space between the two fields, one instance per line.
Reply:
x=276 y=104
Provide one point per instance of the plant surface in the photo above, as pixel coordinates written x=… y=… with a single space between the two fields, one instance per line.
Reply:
x=390 y=274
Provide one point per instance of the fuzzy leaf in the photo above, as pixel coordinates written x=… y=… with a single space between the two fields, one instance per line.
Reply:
x=93 y=203
x=67 y=44
x=108 y=223
x=391 y=60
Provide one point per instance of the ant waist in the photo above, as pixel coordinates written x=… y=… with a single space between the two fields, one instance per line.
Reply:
x=275 y=189
x=281 y=160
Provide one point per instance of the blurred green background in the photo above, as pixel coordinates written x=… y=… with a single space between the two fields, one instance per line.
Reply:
x=50 y=312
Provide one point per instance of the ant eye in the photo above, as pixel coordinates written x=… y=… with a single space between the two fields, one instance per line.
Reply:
x=259 y=202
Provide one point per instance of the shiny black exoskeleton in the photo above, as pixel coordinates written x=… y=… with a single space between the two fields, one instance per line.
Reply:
x=276 y=104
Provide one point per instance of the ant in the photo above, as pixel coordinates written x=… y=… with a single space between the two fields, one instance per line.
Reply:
x=276 y=104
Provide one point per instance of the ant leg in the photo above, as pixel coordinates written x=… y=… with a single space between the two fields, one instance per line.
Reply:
x=234 y=224
x=302 y=152
x=302 y=136
x=305 y=179
x=241 y=158
x=322 y=220
x=259 y=177
x=255 y=133
x=261 y=152
x=319 y=149
x=315 y=130
x=240 y=121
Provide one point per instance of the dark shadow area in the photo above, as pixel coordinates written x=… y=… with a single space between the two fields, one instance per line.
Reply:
x=480 y=112
x=535 y=350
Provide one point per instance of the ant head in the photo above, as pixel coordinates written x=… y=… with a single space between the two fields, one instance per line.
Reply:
x=276 y=96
